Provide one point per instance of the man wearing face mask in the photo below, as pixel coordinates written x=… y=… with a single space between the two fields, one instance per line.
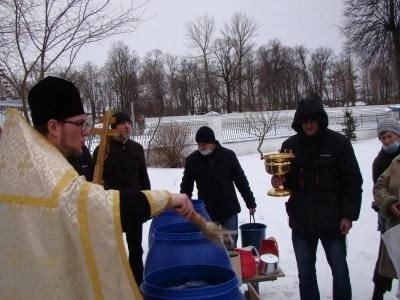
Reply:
x=216 y=170
x=389 y=134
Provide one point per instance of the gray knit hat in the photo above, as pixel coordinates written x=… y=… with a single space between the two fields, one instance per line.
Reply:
x=391 y=125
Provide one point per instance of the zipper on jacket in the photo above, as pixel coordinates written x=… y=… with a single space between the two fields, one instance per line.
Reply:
x=301 y=178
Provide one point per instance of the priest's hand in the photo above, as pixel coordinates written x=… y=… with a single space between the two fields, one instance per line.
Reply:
x=182 y=205
x=277 y=181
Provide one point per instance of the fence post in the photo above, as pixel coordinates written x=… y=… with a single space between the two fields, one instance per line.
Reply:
x=215 y=123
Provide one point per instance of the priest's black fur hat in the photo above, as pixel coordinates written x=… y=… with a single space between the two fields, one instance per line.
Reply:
x=54 y=98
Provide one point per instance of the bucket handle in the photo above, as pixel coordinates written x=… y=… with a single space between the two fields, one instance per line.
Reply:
x=254 y=221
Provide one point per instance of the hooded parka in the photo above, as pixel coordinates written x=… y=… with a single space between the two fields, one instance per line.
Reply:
x=325 y=177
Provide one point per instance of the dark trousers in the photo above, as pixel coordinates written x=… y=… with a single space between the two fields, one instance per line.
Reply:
x=134 y=241
x=305 y=248
x=381 y=282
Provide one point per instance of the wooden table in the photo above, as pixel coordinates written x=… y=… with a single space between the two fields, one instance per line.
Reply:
x=255 y=280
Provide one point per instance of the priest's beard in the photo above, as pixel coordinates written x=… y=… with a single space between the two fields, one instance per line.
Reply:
x=68 y=149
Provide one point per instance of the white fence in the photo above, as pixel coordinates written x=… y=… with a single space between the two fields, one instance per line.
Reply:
x=231 y=130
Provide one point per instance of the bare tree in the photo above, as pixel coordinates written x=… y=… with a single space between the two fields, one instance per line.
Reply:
x=121 y=71
x=318 y=67
x=302 y=54
x=372 y=28
x=170 y=72
x=260 y=123
x=44 y=33
x=239 y=32
x=90 y=87
x=153 y=83
x=187 y=85
x=199 y=35
x=280 y=75
x=225 y=69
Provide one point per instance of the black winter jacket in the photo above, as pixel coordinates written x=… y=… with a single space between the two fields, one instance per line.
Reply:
x=215 y=175
x=381 y=162
x=132 y=212
x=84 y=164
x=325 y=178
x=125 y=166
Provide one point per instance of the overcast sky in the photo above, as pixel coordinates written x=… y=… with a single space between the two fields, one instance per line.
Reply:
x=311 y=23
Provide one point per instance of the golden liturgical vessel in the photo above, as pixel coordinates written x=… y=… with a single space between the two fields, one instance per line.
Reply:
x=278 y=164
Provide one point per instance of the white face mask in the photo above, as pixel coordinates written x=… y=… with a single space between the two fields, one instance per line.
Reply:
x=205 y=151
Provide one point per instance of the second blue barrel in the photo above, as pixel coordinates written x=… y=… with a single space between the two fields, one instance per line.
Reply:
x=187 y=282
x=169 y=216
x=183 y=244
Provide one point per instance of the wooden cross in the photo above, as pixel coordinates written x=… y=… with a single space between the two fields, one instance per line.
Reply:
x=104 y=132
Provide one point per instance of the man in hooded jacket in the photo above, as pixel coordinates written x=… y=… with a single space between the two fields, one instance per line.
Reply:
x=325 y=181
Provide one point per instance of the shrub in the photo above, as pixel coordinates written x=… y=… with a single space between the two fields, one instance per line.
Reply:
x=170 y=146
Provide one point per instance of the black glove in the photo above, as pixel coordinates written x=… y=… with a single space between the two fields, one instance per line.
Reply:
x=375 y=206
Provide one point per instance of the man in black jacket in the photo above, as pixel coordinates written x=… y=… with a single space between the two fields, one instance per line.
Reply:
x=215 y=170
x=125 y=168
x=326 y=181
x=388 y=131
x=83 y=164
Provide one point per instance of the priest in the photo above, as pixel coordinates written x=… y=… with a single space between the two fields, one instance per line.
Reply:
x=61 y=236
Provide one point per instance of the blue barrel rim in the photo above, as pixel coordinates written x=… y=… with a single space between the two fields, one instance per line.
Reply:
x=171 y=232
x=170 y=217
x=175 y=272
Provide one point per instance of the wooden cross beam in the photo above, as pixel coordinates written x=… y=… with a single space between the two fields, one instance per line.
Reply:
x=104 y=132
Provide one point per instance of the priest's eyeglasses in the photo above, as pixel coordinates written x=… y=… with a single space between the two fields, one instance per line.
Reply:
x=84 y=125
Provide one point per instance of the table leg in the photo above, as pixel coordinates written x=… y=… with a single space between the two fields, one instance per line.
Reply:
x=256 y=287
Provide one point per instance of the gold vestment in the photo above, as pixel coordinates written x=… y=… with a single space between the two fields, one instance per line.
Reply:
x=60 y=236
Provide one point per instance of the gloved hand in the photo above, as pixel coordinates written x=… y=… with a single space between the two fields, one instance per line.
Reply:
x=375 y=206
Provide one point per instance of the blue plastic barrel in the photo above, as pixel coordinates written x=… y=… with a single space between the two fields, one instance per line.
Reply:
x=183 y=244
x=169 y=217
x=200 y=282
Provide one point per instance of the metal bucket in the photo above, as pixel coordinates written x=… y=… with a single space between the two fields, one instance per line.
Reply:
x=252 y=233
x=269 y=264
